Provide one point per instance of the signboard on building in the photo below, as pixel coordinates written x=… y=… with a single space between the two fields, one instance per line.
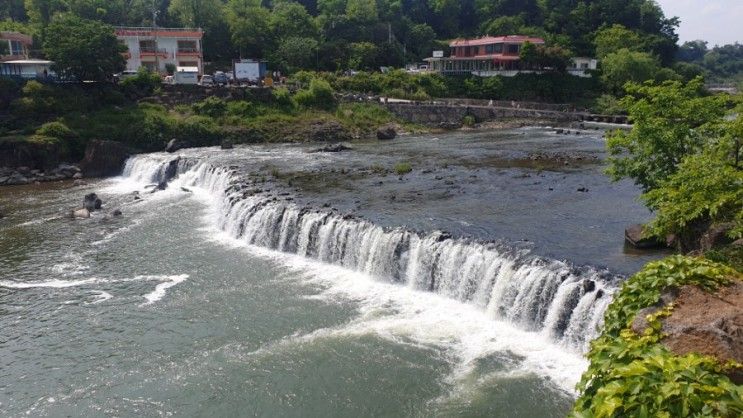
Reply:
x=438 y=54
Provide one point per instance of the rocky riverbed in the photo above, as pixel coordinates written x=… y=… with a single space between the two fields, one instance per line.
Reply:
x=25 y=175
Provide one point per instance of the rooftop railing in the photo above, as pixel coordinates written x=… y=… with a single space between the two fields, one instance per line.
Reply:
x=155 y=29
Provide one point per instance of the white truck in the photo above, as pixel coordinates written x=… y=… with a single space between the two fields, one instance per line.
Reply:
x=186 y=75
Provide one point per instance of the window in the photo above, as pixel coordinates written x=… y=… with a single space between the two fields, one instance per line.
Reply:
x=584 y=66
x=147 y=46
x=187 y=46
x=16 y=48
x=513 y=48
x=498 y=48
x=188 y=64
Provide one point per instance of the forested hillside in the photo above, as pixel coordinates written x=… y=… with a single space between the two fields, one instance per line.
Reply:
x=337 y=34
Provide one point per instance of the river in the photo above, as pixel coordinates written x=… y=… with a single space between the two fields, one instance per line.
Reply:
x=271 y=280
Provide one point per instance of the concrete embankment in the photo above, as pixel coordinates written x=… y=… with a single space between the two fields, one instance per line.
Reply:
x=435 y=114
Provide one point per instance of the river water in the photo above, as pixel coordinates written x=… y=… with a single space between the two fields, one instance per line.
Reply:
x=274 y=281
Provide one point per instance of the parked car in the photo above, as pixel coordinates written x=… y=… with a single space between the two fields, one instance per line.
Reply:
x=206 y=80
x=220 y=78
x=119 y=77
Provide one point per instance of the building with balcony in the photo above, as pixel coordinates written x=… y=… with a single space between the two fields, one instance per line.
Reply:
x=14 y=46
x=495 y=55
x=154 y=48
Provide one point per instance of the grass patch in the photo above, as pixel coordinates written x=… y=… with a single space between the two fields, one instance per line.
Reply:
x=403 y=168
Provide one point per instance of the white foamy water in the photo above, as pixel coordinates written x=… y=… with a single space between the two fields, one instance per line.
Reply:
x=549 y=297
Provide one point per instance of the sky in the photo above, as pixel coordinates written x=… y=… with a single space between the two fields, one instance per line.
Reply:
x=715 y=21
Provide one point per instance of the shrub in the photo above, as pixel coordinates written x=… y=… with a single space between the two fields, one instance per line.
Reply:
x=318 y=96
x=56 y=129
x=283 y=99
x=198 y=130
x=469 y=120
x=142 y=84
x=213 y=107
x=403 y=168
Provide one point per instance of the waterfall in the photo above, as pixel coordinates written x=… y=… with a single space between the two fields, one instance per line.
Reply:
x=537 y=294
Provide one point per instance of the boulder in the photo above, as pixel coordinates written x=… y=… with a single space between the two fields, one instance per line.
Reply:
x=333 y=148
x=387 y=132
x=103 y=159
x=635 y=236
x=708 y=324
x=81 y=213
x=326 y=131
x=176 y=144
x=116 y=212
x=715 y=236
x=227 y=144
x=91 y=202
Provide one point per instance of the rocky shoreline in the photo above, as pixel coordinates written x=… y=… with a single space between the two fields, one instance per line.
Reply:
x=25 y=175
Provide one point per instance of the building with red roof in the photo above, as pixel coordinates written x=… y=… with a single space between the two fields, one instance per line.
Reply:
x=487 y=56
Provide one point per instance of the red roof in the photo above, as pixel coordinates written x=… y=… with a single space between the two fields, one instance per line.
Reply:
x=486 y=40
x=161 y=32
x=16 y=36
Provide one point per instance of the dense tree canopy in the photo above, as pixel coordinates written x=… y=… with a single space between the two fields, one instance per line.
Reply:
x=83 y=49
x=402 y=30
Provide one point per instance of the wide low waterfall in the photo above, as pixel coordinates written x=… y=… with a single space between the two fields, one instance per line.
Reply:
x=536 y=294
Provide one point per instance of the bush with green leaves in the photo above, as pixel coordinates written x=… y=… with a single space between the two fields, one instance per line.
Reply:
x=634 y=375
x=56 y=129
x=319 y=95
x=213 y=107
x=403 y=168
x=142 y=84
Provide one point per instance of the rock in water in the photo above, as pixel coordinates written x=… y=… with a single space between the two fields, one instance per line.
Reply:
x=635 y=236
x=386 y=133
x=80 y=213
x=104 y=158
x=116 y=212
x=333 y=148
x=176 y=144
x=91 y=202
x=227 y=144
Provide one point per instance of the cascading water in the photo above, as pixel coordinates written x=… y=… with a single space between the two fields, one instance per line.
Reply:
x=547 y=296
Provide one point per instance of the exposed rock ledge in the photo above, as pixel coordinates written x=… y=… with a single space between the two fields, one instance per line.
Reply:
x=704 y=323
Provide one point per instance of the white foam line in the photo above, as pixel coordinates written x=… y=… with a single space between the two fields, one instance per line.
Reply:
x=102 y=297
x=162 y=288
x=56 y=283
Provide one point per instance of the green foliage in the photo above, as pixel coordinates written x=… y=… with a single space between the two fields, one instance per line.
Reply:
x=706 y=187
x=83 y=49
x=283 y=100
x=669 y=123
x=623 y=66
x=469 y=121
x=403 y=168
x=731 y=255
x=607 y=104
x=631 y=375
x=142 y=84
x=612 y=39
x=213 y=107
x=364 y=117
x=170 y=68
x=319 y=95
x=56 y=129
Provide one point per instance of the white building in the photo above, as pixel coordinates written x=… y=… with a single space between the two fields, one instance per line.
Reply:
x=581 y=66
x=154 y=48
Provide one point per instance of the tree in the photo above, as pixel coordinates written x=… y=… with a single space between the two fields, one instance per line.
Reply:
x=623 y=66
x=692 y=51
x=670 y=122
x=290 y=19
x=611 y=39
x=363 y=56
x=83 y=49
x=421 y=39
x=295 y=53
x=249 y=26
x=362 y=10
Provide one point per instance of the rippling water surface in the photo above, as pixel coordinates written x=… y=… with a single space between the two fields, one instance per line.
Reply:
x=178 y=307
